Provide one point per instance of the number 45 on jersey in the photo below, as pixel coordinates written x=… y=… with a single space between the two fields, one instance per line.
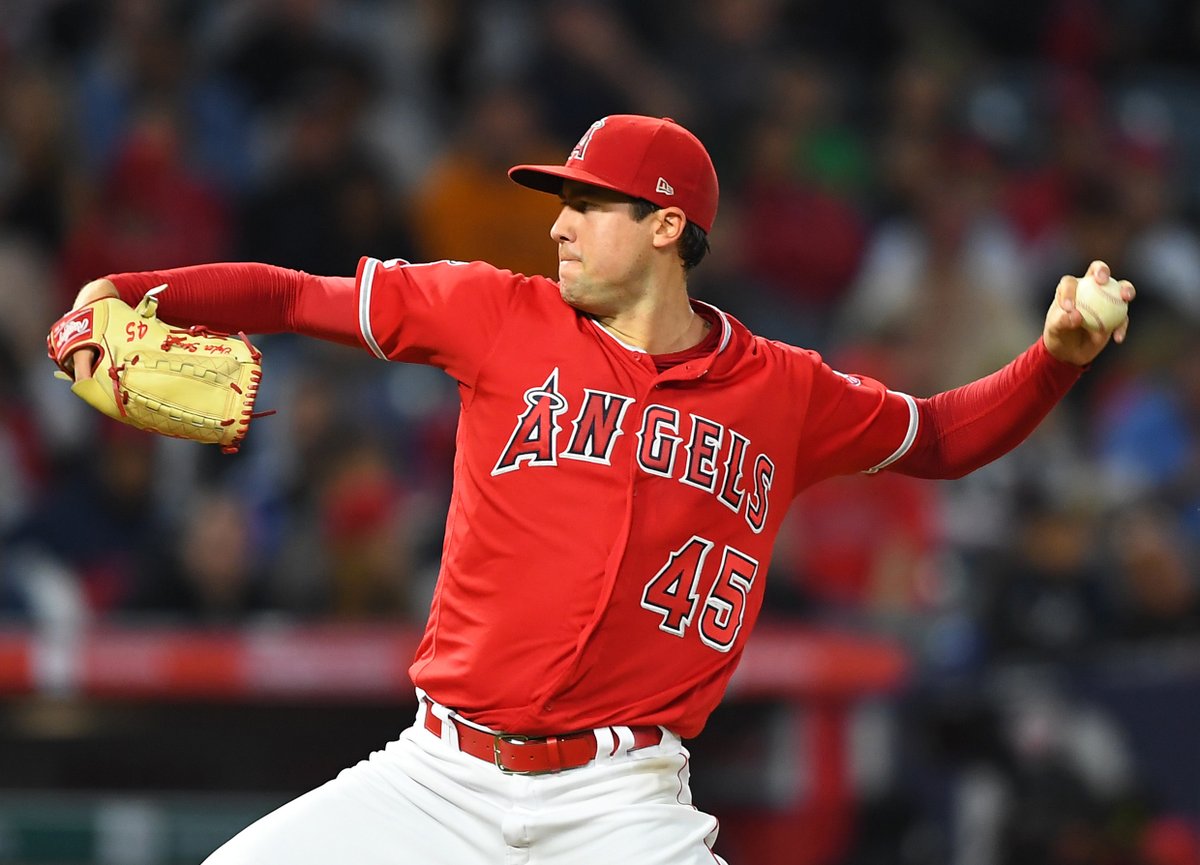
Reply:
x=674 y=593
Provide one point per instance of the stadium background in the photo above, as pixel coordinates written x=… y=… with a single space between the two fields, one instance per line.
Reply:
x=1004 y=669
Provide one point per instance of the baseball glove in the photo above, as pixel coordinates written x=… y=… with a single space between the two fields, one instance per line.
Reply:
x=190 y=383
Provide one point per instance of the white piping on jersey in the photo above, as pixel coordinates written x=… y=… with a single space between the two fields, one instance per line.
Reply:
x=726 y=330
x=909 y=438
x=604 y=330
x=364 y=307
x=364 y=296
x=726 y=327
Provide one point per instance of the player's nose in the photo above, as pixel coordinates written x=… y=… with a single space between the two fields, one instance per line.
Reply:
x=560 y=231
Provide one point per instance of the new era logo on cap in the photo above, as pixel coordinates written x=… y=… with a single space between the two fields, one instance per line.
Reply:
x=635 y=155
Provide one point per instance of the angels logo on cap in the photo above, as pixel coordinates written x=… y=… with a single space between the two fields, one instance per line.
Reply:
x=580 y=149
x=644 y=157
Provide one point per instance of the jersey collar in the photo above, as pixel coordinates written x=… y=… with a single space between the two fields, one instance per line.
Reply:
x=693 y=369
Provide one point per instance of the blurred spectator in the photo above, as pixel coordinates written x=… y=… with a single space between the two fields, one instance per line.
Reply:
x=363 y=525
x=151 y=211
x=290 y=461
x=99 y=518
x=29 y=429
x=919 y=95
x=24 y=462
x=344 y=521
x=145 y=60
x=864 y=544
x=814 y=103
x=327 y=200
x=1033 y=775
x=1048 y=592
x=453 y=38
x=1076 y=35
x=800 y=246
x=947 y=274
x=346 y=541
x=1072 y=777
x=915 y=116
x=1169 y=840
x=1041 y=193
x=36 y=172
x=1164 y=251
x=1146 y=421
x=276 y=48
x=1157 y=574
x=467 y=209
x=728 y=51
x=800 y=237
x=211 y=573
x=588 y=63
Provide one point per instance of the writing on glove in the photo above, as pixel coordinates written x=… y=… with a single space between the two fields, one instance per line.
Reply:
x=191 y=383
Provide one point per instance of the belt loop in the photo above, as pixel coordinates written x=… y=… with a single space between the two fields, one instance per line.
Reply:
x=606 y=743
x=423 y=704
x=670 y=739
x=624 y=740
x=554 y=748
x=449 y=730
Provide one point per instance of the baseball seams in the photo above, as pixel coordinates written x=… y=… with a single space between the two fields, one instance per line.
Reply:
x=1102 y=307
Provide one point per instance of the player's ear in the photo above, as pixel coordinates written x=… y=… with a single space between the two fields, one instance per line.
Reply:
x=669 y=223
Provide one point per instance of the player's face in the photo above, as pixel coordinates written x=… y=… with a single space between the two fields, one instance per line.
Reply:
x=604 y=254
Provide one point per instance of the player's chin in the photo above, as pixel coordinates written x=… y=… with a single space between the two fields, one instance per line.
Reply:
x=572 y=292
x=584 y=295
x=568 y=271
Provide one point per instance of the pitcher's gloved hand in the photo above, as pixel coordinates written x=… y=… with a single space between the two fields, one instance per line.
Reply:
x=189 y=383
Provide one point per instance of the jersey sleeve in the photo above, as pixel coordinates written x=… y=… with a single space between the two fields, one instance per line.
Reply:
x=968 y=427
x=447 y=314
x=852 y=424
x=250 y=297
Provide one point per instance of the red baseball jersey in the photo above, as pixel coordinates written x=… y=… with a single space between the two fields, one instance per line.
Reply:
x=611 y=525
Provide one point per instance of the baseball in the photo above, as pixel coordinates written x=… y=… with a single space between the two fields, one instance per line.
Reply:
x=1101 y=305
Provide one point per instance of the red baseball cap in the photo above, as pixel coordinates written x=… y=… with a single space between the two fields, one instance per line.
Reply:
x=644 y=157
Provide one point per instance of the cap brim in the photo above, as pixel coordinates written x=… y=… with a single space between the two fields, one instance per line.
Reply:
x=549 y=178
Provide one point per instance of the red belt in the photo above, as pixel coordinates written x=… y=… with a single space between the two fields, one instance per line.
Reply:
x=521 y=755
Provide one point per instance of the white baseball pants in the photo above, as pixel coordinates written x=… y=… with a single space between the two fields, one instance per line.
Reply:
x=421 y=801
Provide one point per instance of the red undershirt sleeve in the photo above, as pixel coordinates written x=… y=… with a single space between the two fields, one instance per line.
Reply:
x=968 y=427
x=250 y=297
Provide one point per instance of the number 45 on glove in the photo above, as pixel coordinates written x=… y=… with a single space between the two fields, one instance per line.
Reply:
x=190 y=383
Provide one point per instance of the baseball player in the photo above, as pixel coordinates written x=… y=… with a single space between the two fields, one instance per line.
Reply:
x=625 y=455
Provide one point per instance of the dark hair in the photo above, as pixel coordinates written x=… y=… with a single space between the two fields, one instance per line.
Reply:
x=693 y=244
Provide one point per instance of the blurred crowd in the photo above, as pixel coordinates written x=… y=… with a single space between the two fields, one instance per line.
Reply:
x=903 y=183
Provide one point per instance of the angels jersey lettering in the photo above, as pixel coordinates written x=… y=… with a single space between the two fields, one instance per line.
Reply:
x=590 y=487
x=597 y=426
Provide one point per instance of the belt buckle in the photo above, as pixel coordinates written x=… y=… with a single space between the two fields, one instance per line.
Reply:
x=510 y=739
x=513 y=739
